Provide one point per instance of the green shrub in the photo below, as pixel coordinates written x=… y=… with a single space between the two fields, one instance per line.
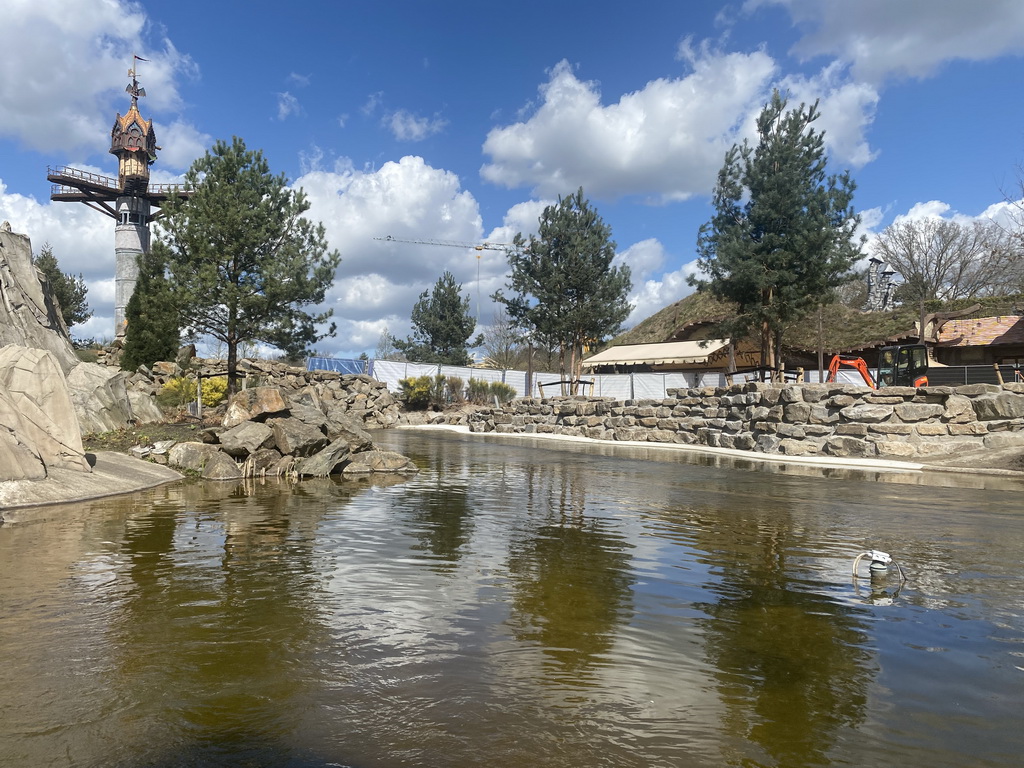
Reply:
x=478 y=391
x=456 y=389
x=214 y=390
x=504 y=392
x=416 y=392
x=179 y=392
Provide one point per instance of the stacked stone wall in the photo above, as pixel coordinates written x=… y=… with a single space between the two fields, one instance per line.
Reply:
x=793 y=420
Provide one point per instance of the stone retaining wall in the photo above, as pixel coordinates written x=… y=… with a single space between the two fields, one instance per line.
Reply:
x=794 y=420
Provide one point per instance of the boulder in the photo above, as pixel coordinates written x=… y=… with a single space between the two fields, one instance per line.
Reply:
x=37 y=418
x=379 y=461
x=998 y=405
x=193 y=456
x=308 y=414
x=296 y=438
x=324 y=462
x=220 y=466
x=245 y=439
x=349 y=429
x=256 y=404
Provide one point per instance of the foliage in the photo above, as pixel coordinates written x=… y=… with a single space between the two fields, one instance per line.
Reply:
x=152 y=329
x=442 y=325
x=477 y=391
x=455 y=389
x=943 y=259
x=180 y=391
x=242 y=261
x=505 y=393
x=68 y=291
x=565 y=291
x=782 y=235
x=480 y=392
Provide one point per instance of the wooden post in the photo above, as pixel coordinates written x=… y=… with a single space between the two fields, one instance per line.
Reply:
x=999 y=374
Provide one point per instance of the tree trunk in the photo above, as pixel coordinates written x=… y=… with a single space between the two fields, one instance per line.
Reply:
x=232 y=367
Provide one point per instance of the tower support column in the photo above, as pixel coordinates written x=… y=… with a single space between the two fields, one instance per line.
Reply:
x=131 y=240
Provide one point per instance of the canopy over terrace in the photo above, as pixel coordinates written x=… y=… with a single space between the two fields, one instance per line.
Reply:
x=666 y=356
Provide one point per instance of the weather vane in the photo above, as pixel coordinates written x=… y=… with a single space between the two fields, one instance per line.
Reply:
x=134 y=88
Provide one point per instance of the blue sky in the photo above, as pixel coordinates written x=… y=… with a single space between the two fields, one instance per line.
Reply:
x=462 y=120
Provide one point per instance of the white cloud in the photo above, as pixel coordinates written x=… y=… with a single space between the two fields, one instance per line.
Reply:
x=847 y=111
x=643 y=258
x=287 y=105
x=181 y=144
x=60 y=66
x=910 y=38
x=408 y=200
x=651 y=296
x=666 y=140
x=406 y=126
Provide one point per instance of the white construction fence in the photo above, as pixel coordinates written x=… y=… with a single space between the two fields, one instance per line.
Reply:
x=618 y=386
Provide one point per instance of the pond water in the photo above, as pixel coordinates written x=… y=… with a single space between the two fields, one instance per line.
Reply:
x=519 y=603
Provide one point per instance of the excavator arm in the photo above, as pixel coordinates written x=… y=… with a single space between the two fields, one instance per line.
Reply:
x=854 y=362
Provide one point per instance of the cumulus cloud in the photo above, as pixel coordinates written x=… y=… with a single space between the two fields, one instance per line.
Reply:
x=847 y=110
x=408 y=200
x=911 y=38
x=75 y=55
x=665 y=141
x=406 y=126
x=181 y=144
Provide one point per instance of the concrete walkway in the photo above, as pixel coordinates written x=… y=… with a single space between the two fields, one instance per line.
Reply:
x=112 y=474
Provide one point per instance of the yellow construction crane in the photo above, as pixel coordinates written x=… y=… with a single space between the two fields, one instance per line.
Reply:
x=478 y=247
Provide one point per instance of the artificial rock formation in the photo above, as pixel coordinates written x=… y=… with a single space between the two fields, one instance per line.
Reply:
x=286 y=436
x=38 y=425
x=28 y=315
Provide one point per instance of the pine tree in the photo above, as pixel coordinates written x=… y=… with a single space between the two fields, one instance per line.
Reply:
x=68 y=290
x=782 y=235
x=152 y=331
x=566 y=292
x=442 y=325
x=242 y=261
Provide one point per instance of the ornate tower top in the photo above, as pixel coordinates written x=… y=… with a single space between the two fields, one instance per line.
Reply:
x=133 y=140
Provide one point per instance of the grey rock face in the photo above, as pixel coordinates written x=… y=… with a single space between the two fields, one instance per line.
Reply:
x=38 y=424
x=28 y=314
x=100 y=397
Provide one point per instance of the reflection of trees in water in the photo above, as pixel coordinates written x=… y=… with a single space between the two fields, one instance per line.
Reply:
x=571 y=578
x=442 y=522
x=220 y=624
x=791 y=666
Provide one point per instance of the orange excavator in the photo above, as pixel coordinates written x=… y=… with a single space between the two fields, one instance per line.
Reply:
x=902 y=365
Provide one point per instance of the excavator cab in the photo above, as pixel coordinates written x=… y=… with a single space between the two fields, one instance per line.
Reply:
x=904 y=365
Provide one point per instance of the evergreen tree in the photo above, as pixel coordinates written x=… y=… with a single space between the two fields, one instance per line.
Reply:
x=566 y=292
x=68 y=290
x=442 y=325
x=152 y=331
x=781 y=237
x=242 y=261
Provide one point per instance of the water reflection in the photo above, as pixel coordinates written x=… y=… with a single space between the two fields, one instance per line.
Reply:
x=570 y=576
x=515 y=604
x=790 y=662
